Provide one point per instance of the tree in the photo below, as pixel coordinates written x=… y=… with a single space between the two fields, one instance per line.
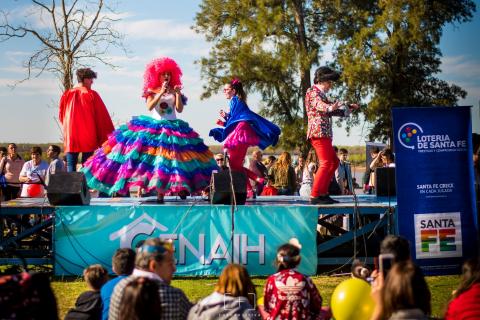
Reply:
x=388 y=50
x=73 y=33
x=271 y=45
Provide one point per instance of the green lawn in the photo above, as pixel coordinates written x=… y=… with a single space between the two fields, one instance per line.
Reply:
x=195 y=289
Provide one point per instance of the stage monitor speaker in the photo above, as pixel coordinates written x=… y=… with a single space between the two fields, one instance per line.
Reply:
x=385 y=182
x=68 y=189
x=221 y=187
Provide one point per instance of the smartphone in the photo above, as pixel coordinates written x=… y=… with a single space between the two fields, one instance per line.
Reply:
x=385 y=261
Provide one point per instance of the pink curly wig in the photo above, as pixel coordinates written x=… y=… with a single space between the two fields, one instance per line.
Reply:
x=151 y=79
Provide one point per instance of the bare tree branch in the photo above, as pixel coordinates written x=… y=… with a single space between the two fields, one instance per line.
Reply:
x=76 y=36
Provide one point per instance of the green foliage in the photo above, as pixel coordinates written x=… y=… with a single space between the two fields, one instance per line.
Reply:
x=389 y=54
x=271 y=46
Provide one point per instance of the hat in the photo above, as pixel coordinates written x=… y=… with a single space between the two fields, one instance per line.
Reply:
x=325 y=74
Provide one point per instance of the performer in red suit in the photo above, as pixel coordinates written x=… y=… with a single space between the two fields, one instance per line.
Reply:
x=84 y=118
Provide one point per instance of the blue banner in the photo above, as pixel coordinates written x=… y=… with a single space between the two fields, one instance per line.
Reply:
x=435 y=187
x=201 y=235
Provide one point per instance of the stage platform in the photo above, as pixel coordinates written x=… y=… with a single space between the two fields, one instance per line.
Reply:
x=68 y=236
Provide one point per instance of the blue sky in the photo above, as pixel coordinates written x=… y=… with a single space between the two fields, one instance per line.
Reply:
x=162 y=28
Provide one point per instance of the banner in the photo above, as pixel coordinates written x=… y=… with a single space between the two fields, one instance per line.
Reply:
x=435 y=187
x=86 y=235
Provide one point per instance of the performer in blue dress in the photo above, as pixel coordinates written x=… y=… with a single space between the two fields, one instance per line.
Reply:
x=243 y=128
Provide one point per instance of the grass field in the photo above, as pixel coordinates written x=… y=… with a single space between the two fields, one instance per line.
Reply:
x=195 y=289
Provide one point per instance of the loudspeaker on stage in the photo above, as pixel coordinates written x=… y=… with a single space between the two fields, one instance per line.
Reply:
x=221 y=187
x=68 y=189
x=385 y=182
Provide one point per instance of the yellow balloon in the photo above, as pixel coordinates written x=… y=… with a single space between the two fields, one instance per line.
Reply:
x=260 y=301
x=351 y=300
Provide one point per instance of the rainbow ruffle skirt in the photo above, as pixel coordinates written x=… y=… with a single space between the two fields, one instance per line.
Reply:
x=166 y=155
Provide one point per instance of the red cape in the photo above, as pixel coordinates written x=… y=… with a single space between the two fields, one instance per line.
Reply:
x=85 y=120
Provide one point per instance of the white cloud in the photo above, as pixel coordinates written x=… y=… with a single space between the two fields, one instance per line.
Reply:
x=13 y=69
x=461 y=66
x=157 y=29
x=32 y=87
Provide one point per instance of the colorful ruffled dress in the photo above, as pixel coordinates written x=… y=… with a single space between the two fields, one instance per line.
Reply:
x=244 y=126
x=153 y=152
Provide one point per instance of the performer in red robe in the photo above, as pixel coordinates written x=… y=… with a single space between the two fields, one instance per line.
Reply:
x=84 y=118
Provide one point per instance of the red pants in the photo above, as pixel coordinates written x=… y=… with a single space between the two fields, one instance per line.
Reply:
x=328 y=163
x=236 y=157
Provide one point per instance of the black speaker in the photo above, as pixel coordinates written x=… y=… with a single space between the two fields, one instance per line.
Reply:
x=385 y=182
x=221 y=187
x=68 y=189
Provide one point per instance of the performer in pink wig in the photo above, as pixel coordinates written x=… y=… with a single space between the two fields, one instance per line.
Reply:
x=154 y=152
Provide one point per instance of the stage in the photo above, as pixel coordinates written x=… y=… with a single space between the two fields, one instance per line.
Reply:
x=71 y=237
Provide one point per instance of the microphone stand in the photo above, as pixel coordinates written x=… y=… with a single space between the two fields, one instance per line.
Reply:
x=233 y=204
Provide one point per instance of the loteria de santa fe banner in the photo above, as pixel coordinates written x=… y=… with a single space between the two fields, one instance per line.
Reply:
x=435 y=186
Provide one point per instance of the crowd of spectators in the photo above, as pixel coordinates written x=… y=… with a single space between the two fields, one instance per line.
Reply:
x=143 y=290
x=27 y=178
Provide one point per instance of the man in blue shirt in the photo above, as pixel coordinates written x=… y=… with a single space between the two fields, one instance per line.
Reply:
x=123 y=262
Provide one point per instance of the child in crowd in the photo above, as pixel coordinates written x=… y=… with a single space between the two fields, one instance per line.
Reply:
x=89 y=303
x=288 y=294
x=123 y=263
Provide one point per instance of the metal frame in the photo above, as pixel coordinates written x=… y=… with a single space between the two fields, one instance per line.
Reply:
x=15 y=249
x=388 y=221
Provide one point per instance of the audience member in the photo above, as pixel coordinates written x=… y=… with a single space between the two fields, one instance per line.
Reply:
x=388 y=158
x=56 y=164
x=465 y=303
x=155 y=261
x=233 y=298
x=89 y=303
x=27 y=296
x=288 y=294
x=123 y=262
x=257 y=167
x=11 y=167
x=311 y=165
x=360 y=271
x=376 y=163
x=33 y=175
x=282 y=175
x=333 y=187
x=140 y=300
x=403 y=295
x=220 y=159
x=299 y=171
x=269 y=162
x=396 y=245
x=343 y=174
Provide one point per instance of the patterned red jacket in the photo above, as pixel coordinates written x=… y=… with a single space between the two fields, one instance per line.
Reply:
x=288 y=294
x=319 y=116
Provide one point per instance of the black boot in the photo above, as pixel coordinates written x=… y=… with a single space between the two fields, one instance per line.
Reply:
x=322 y=200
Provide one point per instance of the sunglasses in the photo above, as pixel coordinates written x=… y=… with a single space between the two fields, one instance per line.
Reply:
x=219 y=159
